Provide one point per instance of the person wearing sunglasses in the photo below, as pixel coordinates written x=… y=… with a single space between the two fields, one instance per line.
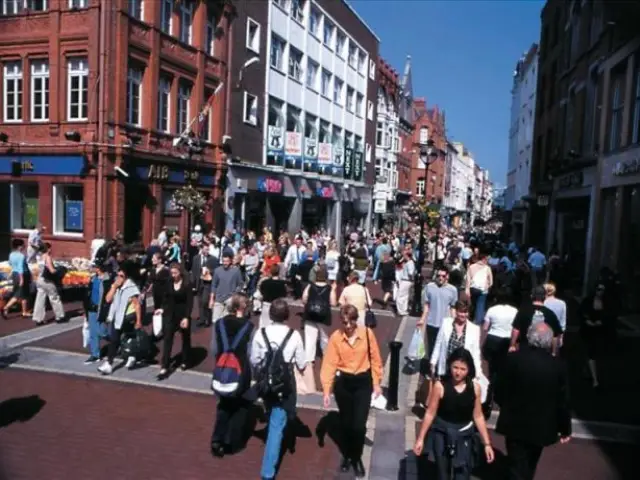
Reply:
x=352 y=368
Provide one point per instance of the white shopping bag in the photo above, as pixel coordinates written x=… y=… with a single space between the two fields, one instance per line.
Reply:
x=85 y=334
x=483 y=381
x=379 y=402
x=416 y=347
x=157 y=324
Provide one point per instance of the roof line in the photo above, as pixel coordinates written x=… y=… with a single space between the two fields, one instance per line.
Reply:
x=353 y=10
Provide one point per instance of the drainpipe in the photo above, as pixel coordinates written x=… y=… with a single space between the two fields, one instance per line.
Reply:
x=101 y=117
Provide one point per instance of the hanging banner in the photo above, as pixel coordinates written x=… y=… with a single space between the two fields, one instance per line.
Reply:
x=348 y=163
x=293 y=150
x=324 y=154
x=275 y=142
x=358 y=165
x=310 y=155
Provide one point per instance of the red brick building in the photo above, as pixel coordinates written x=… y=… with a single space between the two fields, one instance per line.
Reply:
x=92 y=100
x=429 y=122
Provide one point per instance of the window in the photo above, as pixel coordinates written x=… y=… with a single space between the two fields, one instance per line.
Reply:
x=387 y=137
x=351 y=99
x=297 y=10
x=166 y=14
x=310 y=126
x=362 y=63
x=326 y=83
x=295 y=63
x=83 y=4
x=424 y=135
x=372 y=69
x=353 y=56
x=11 y=7
x=341 y=42
x=184 y=95
x=210 y=42
x=134 y=87
x=12 y=92
x=325 y=132
x=395 y=144
x=164 y=100
x=78 y=89
x=293 y=119
x=34 y=5
x=281 y=3
x=379 y=134
x=253 y=35
x=204 y=119
x=135 y=8
x=327 y=37
x=277 y=52
x=337 y=90
x=336 y=136
x=379 y=171
x=275 y=112
x=314 y=22
x=24 y=206
x=250 y=109
x=635 y=126
x=68 y=209
x=359 y=104
x=40 y=90
x=186 y=20
x=617 y=107
x=370 y=110
x=312 y=74
x=420 y=187
x=367 y=153
x=348 y=139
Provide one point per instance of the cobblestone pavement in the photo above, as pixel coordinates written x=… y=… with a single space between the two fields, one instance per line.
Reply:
x=61 y=427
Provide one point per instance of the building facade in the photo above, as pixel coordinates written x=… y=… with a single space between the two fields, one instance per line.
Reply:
x=406 y=130
x=523 y=104
x=94 y=96
x=308 y=158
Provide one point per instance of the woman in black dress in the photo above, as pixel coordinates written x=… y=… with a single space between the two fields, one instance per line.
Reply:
x=387 y=276
x=454 y=408
x=176 y=307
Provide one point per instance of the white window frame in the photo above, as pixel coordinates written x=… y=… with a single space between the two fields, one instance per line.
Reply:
x=362 y=63
x=359 y=104
x=312 y=74
x=297 y=10
x=424 y=136
x=379 y=134
x=281 y=3
x=277 y=53
x=253 y=44
x=184 y=105
x=135 y=9
x=78 y=4
x=13 y=75
x=164 y=104
x=372 y=69
x=210 y=37
x=32 y=5
x=325 y=83
x=338 y=90
x=330 y=29
x=55 y=213
x=186 y=17
x=134 y=82
x=78 y=67
x=353 y=56
x=296 y=58
x=370 y=110
x=420 y=187
x=250 y=109
x=314 y=23
x=367 y=152
x=40 y=82
x=166 y=16
x=341 y=43
x=351 y=99
x=14 y=211
x=16 y=6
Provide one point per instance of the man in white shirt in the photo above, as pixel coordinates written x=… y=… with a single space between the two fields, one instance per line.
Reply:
x=282 y=410
x=405 y=277
x=291 y=261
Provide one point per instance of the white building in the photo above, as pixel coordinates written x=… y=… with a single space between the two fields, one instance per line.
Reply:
x=455 y=192
x=465 y=178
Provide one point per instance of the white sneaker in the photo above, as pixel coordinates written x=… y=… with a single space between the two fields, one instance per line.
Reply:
x=131 y=361
x=105 y=368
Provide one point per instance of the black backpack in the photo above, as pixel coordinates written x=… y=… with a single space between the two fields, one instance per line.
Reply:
x=317 y=308
x=274 y=376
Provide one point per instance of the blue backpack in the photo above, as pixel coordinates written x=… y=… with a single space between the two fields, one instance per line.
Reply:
x=227 y=372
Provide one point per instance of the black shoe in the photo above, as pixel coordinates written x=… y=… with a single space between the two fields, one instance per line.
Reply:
x=91 y=360
x=217 y=450
x=163 y=375
x=358 y=469
x=345 y=465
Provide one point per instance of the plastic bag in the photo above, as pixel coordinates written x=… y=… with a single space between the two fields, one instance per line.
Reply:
x=416 y=347
x=157 y=324
x=85 y=334
x=379 y=402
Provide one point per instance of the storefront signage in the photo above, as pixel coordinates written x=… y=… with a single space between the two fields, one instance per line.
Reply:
x=311 y=149
x=324 y=154
x=348 y=162
x=73 y=215
x=270 y=185
x=338 y=156
x=71 y=165
x=174 y=174
x=572 y=180
x=275 y=142
x=357 y=165
x=627 y=167
x=380 y=206
x=26 y=166
x=162 y=173
x=326 y=192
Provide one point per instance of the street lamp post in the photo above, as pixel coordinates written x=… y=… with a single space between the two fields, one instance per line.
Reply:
x=428 y=154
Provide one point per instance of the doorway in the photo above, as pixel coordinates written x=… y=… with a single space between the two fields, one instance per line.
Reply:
x=135 y=200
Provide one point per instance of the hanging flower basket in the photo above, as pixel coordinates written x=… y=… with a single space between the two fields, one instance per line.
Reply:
x=418 y=209
x=189 y=199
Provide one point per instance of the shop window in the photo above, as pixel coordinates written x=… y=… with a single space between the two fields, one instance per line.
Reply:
x=68 y=209
x=168 y=207
x=24 y=206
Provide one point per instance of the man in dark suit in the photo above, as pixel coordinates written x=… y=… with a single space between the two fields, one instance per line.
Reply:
x=201 y=287
x=534 y=402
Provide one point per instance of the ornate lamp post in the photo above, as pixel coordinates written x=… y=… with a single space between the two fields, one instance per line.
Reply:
x=428 y=154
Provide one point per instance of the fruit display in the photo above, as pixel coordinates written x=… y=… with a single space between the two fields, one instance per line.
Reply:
x=77 y=275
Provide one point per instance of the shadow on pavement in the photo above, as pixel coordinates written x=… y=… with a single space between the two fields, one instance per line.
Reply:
x=21 y=409
x=8 y=360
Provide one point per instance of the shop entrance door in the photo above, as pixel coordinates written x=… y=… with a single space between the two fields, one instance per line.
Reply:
x=281 y=210
x=135 y=199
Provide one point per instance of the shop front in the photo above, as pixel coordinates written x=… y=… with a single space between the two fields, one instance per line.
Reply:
x=151 y=192
x=55 y=190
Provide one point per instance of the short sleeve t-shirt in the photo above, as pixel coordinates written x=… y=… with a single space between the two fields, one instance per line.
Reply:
x=532 y=314
x=440 y=301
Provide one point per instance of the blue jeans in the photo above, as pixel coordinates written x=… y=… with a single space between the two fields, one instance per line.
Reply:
x=277 y=424
x=97 y=330
x=479 y=301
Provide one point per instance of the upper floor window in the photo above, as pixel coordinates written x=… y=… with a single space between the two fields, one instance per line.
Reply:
x=295 y=63
x=312 y=74
x=325 y=132
x=359 y=104
x=372 y=69
x=314 y=22
x=341 y=43
x=78 y=89
x=337 y=90
x=297 y=10
x=210 y=46
x=424 y=135
x=134 y=90
x=166 y=16
x=83 y=4
x=253 y=35
x=186 y=20
x=184 y=98
x=164 y=100
x=281 y=3
x=362 y=63
x=250 y=109
x=353 y=56
x=277 y=52
x=12 y=98
x=617 y=108
x=351 y=99
x=635 y=126
x=135 y=9
x=420 y=187
x=328 y=31
x=325 y=85
x=13 y=7
x=379 y=134
x=40 y=91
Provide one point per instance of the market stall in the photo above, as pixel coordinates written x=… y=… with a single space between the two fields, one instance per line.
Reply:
x=78 y=274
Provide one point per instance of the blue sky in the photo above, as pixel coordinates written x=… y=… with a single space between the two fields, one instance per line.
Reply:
x=463 y=54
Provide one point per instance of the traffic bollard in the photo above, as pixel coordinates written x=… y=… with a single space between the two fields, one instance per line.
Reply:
x=394 y=376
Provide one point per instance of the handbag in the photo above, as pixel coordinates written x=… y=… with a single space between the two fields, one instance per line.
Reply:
x=370 y=319
x=305 y=380
x=157 y=324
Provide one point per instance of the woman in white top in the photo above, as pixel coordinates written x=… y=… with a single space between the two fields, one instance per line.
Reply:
x=478 y=283
x=332 y=261
x=498 y=323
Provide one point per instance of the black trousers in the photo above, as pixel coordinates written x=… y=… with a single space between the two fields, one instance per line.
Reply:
x=115 y=339
x=169 y=329
x=232 y=416
x=203 y=308
x=523 y=459
x=432 y=334
x=353 y=396
x=495 y=351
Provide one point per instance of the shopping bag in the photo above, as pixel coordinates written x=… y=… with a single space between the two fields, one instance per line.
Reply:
x=305 y=381
x=416 y=347
x=379 y=402
x=157 y=324
x=85 y=334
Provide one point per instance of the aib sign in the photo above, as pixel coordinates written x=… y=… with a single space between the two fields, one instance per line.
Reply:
x=269 y=185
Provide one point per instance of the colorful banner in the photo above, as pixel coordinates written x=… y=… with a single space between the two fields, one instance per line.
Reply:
x=275 y=143
x=348 y=163
x=358 y=165
x=270 y=185
x=324 y=154
x=293 y=150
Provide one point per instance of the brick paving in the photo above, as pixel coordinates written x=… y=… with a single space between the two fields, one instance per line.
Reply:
x=579 y=459
x=60 y=427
